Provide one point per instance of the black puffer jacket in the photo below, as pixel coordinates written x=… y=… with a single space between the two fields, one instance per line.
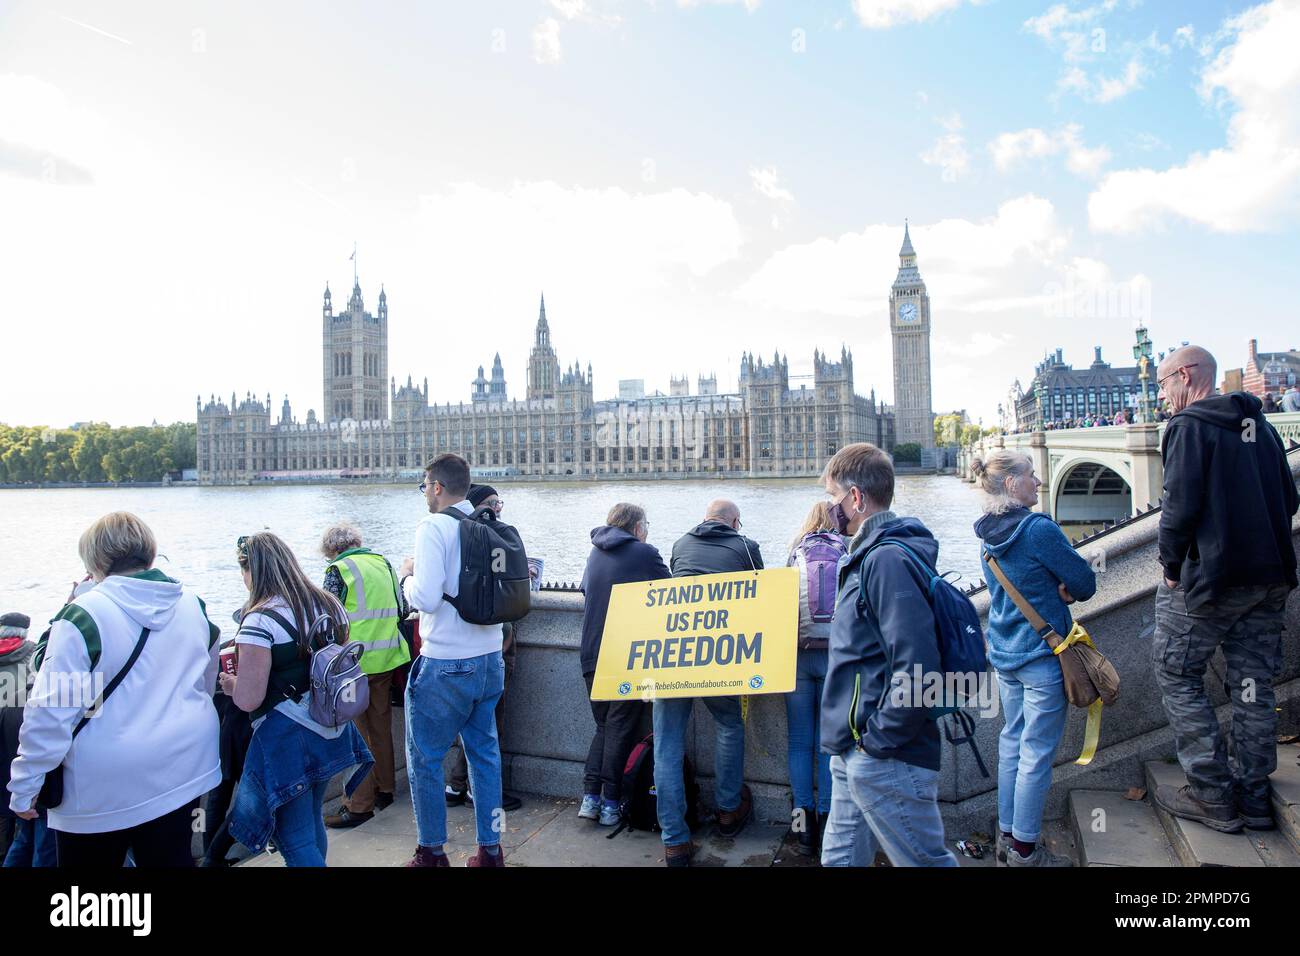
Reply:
x=1229 y=496
x=713 y=548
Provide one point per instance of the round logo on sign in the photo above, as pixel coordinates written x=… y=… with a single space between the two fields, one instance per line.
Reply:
x=756 y=682
x=624 y=688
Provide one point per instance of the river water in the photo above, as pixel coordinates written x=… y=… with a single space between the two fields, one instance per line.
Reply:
x=197 y=527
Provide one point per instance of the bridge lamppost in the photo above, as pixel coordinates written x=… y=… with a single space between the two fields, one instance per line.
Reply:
x=1142 y=352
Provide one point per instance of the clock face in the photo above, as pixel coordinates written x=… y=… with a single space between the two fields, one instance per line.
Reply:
x=907 y=312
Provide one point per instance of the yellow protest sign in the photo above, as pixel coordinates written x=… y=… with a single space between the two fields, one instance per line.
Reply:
x=715 y=635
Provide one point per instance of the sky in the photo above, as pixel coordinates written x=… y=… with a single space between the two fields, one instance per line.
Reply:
x=685 y=180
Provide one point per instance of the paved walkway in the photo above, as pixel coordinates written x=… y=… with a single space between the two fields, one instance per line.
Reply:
x=546 y=831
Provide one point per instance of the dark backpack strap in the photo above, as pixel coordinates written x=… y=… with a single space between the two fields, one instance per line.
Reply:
x=113 y=684
x=278 y=683
x=862 y=569
x=966 y=723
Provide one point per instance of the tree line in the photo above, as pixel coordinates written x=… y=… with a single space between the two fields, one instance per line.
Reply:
x=31 y=454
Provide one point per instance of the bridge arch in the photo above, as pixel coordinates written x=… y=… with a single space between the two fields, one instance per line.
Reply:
x=1087 y=491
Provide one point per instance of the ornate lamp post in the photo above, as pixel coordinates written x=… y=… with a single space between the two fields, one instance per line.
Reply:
x=1142 y=352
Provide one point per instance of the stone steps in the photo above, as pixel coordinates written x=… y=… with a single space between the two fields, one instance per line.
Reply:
x=1110 y=830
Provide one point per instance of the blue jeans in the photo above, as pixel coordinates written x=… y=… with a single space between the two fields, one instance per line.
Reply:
x=1034 y=707
x=803 y=732
x=883 y=805
x=300 y=829
x=446 y=699
x=33 y=844
x=671 y=718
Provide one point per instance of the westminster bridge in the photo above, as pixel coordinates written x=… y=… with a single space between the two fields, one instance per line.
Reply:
x=1093 y=476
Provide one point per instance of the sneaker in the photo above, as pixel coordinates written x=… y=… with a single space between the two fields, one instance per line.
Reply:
x=424 y=856
x=484 y=858
x=510 y=802
x=805 y=825
x=1041 y=856
x=609 y=815
x=1183 y=803
x=590 y=809
x=455 y=798
x=383 y=800
x=731 y=822
x=1001 y=847
x=345 y=819
x=678 y=855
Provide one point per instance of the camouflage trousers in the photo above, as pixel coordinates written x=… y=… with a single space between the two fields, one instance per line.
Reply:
x=1246 y=623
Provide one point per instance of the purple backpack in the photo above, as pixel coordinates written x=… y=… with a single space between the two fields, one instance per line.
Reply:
x=819 y=555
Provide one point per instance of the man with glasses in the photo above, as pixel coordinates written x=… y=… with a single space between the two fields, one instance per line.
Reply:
x=712 y=547
x=1228 y=564
x=455 y=766
x=454 y=684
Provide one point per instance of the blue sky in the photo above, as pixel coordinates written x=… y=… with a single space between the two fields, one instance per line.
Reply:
x=685 y=180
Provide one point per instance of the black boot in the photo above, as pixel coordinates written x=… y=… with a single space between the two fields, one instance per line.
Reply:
x=806 y=826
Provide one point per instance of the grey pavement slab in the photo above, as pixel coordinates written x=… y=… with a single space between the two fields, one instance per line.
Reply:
x=545 y=831
x=1286 y=792
x=1195 y=843
x=1112 y=831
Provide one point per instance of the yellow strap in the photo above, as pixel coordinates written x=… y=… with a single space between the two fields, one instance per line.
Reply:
x=1091 y=733
x=1077 y=635
x=744 y=708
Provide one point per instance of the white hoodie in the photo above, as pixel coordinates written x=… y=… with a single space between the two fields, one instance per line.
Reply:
x=153 y=746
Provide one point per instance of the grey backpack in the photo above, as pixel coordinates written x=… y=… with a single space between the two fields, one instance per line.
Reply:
x=340 y=690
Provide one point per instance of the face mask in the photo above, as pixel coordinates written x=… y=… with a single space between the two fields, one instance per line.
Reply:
x=839 y=517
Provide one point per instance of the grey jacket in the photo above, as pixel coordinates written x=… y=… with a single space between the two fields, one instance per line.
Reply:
x=712 y=548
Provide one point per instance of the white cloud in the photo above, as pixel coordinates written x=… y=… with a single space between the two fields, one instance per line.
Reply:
x=1072 y=29
x=1010 y=149
x=546 y=41
x=613 y=238
x=750 y=5
x=1253 y=182
x=949 y=150
x=570 y=9
x=966 y=262
x=949 y=154
x=883 y=14
x=768 y=183
x=1083 y=41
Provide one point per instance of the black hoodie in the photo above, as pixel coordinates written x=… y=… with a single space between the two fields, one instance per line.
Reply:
x=1229 y=496
x=714 y=547
x=617 y=557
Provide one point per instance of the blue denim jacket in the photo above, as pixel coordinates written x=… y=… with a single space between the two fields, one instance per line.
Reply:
x=284 y=760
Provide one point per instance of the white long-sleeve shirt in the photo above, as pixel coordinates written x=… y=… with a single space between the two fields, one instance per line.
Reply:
x=444 y=634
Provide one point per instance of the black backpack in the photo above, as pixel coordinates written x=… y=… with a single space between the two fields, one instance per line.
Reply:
x=639 y=807
x=494 y=584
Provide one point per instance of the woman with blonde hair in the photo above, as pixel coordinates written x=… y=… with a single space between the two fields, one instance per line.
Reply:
x=815 y=551
x=1037 y=558
x=138 y=653
x=291 y=757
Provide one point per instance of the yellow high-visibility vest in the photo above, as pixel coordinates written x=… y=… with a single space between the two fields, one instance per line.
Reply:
x=372 y=608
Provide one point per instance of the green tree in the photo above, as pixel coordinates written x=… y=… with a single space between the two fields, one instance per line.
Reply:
x=908 y=453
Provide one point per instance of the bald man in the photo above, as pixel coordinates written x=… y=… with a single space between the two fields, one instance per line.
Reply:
x=1228 y=564
x=713 y=546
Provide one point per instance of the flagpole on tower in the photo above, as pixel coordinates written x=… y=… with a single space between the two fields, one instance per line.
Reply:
x=353 y=257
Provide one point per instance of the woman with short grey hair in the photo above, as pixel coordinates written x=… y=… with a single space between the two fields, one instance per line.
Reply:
x=339 y=538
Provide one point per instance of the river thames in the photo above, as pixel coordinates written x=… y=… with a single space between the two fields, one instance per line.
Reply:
x=197 y=527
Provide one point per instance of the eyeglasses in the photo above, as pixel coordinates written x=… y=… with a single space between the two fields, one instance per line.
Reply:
x=1160 y=382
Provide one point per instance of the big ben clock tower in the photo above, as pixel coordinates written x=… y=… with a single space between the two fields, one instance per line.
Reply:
x=909 y=323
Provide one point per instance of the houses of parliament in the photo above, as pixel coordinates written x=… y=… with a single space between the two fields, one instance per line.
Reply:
x=371 y=428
